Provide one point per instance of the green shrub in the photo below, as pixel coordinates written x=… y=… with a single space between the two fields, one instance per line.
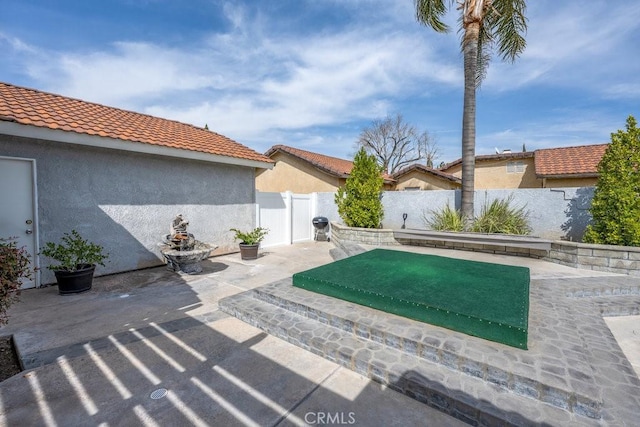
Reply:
x=445 y=219
x=358 y=202
x=500 y=217
x=14 y=267
x=73 y=252
x=252 y=237
x=615 y=208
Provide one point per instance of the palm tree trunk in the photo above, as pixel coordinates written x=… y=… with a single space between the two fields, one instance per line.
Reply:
x=470 y=52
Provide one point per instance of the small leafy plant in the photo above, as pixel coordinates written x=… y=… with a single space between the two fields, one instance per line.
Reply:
x=252 y=237
x=14 y=267
x=500 y=217
x=74 y=252
x=445 y=219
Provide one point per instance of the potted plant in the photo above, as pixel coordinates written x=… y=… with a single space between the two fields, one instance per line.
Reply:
x=77 y=259
x=250 y=241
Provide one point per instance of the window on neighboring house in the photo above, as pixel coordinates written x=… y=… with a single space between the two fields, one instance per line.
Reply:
x=515 y=167
x=411 y=188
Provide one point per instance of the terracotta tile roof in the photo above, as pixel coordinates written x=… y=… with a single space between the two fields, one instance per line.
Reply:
x=569 y=161
x=484 y=157
x=46 y=110
x=427 y=170
x=331 y=165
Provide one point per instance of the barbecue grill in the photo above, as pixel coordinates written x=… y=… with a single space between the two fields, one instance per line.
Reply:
x=321 y=226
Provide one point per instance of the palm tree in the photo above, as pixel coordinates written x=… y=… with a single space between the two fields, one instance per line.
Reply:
x=485 y=23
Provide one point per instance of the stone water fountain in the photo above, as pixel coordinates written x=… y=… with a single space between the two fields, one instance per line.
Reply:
x=181 y=250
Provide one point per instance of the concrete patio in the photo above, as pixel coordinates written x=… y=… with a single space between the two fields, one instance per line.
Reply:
x=99 y=358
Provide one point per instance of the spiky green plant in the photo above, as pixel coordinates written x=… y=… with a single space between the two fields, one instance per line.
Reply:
x=445 y=219
x=500 y=217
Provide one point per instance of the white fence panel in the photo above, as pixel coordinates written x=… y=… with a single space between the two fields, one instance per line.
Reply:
x=301 y=216
x=272 y=214
x=287 y=216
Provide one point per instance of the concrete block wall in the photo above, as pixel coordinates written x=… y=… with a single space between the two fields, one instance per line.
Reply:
x=554 y=213
x=613 y=259
x=476 y=247
x=341 y=234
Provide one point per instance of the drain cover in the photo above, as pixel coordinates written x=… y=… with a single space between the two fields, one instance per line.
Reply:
x=159 y=393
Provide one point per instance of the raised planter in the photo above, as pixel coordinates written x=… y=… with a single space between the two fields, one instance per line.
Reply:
x=613 y=259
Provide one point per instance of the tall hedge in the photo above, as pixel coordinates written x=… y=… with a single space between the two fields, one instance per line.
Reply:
x=359 y=201
x=615 y=208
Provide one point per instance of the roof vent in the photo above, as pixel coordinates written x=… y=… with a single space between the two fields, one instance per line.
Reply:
x=506 y=151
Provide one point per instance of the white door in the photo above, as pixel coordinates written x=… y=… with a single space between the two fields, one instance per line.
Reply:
x=301 y=218
x=17 y=206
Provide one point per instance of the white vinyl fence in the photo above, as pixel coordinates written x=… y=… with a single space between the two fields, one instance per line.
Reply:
x=288 y=217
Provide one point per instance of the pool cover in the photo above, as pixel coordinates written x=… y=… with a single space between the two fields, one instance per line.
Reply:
x=489 y=301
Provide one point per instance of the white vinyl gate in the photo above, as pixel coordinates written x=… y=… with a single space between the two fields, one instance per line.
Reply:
x=288 y=217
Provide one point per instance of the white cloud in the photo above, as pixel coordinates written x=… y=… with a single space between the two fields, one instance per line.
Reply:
x=264 y=81
x=574 y=44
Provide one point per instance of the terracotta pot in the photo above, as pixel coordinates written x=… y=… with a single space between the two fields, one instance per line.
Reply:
x=249 y=251
x=73 y=282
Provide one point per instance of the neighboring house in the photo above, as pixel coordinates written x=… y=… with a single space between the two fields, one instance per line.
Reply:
x=420 y=177
x=553 y=167
x=305 y=172
x=505 y=170
x=569 y=166
x=117 y=177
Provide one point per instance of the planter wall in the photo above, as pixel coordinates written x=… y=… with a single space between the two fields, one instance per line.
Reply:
x=613 y=259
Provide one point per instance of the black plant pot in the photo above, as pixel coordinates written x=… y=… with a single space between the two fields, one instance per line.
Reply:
x=249 y=251
x=73 y=282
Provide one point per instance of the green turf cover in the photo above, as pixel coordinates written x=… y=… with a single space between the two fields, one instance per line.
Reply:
x=490 y=301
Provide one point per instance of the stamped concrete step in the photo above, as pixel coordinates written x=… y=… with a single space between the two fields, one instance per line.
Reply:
x=509 y=368
x=391 y=359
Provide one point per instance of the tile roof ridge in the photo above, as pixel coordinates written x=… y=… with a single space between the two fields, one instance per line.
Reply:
x=573 y=146
x=287 y=148
x=428 y=169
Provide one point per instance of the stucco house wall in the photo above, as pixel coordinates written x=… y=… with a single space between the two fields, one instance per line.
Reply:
x=295 y=175
x=125 y=201
x=419 y=180
x=569 y=182
x=493 y=173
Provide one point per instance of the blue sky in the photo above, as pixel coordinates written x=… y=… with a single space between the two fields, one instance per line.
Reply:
x=313 y=73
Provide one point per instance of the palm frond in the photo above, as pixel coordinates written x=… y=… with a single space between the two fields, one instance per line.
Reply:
x=510 y=28
x=431 y=12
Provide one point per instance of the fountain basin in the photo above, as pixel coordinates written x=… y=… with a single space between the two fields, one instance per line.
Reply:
x=188 y=261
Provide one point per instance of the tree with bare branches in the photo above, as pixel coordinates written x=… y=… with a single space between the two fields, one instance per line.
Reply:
x=396 y=144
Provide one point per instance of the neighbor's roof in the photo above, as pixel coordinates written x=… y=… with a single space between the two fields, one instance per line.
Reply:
x=427 y=170
x=331 y=165
x=45 y=110
x=569 y=161
x=486 y=157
